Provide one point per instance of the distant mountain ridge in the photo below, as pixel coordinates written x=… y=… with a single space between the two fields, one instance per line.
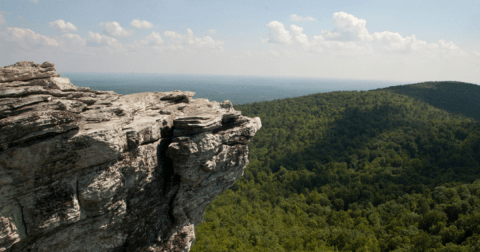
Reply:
x=452 y=96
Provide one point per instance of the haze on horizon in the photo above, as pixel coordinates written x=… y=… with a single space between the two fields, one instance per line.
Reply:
x=409 y=41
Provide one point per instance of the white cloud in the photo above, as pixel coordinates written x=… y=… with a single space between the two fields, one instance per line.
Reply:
x=153 y=41
x=330 y=34
x=62 y=26
x=20 y=44
x=18 y=41
x=2 y=19
x=349 y=48
x=278 y=34
x=476 y=53
x=96 y=39
x=114 y=29
x=155 y=38
x=212 y=32
x=179 y=41
x=394 y=42
x=27 y=39
x=189 y=36
x=175 y=41
x=447 y=45
x=173 y=36
x=141 y=24
x=350 y=36
x=208 y=42
x=348 y=27
x=297 y=34
x=294 y=17
x=73 y=41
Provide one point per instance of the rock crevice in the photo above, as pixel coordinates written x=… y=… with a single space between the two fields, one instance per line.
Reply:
x=88 y=170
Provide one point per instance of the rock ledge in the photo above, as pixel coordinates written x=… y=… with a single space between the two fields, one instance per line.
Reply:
x=86 y=170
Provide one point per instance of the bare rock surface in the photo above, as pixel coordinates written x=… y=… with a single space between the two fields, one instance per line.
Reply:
x=86 y=170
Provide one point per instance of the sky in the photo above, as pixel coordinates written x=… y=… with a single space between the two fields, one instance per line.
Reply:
x=408 y=40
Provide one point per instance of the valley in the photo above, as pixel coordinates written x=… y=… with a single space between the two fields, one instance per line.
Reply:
x=355 y=171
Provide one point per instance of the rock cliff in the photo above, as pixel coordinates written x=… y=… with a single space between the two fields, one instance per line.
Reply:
x=86 y=170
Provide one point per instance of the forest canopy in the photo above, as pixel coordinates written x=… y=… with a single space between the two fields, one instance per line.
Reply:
x=353 y=171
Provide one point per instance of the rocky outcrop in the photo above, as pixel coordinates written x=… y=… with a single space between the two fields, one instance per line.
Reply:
x=86 y=170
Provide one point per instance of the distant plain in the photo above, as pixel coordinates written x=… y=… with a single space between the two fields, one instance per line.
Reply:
x=237 y=89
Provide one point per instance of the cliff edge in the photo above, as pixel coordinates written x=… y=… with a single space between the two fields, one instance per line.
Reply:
x=86 y=170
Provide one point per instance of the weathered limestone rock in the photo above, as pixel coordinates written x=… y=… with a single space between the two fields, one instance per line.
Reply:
x=85 y=170
x=27 y=70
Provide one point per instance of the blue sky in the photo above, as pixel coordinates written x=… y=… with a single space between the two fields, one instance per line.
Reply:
x=376 y=40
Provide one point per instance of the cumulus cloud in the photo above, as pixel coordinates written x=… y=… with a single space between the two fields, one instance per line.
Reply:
x=154 y=38
x=347 y=27
x=96 y=39
x=297 y=34
x=62 y=26
x=173 y=36
x=27 y=39
x=152 y=41
x=207 y=42
x=294 y=17
x=351 y=35
x=141 y=24
x=173 y=41
x=73 y=41
x=278 y=34
x=2 y=19
x=114 y=29
x=15 y=41
x=395 y=42
x=447 y=45
x=179 y=41
x=320 y=44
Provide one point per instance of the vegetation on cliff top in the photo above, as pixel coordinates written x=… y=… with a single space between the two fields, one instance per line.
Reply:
x=354 y=171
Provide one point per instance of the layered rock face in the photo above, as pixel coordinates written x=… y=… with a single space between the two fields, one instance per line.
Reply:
x=85 y=170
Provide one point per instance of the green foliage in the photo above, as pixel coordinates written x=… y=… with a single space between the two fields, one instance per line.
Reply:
x=452 y=96
x=352 y=171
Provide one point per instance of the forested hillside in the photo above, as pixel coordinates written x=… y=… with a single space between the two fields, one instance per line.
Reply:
x=452 y=96
x=352 y=171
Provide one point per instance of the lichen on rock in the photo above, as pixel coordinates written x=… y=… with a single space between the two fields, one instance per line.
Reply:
x=88 y=170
